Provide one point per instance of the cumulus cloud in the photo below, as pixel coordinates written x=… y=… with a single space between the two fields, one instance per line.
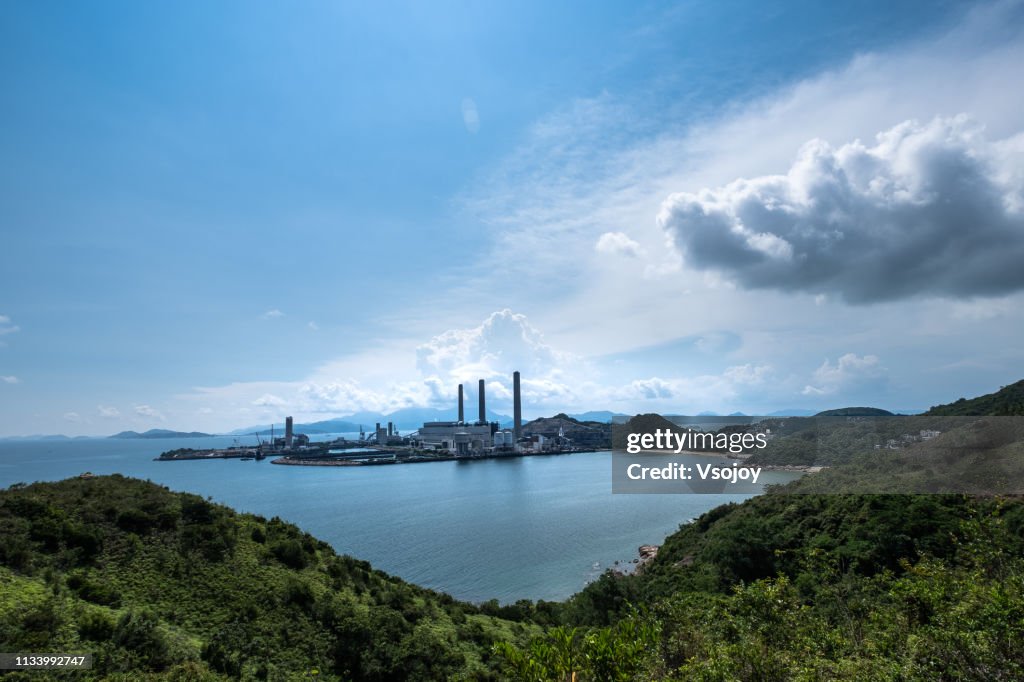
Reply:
x=930 y=209
x=147 y=411
x=272 y=314
x=73 y=417
x=269 y=400
x=470 y=116
x=689 y=393
x=10 y=379
x=617 y=243
x=349 y=395
x=849 y=373
x=651 y=389
x=108 y=412
x=6 y=326
x=504 y=342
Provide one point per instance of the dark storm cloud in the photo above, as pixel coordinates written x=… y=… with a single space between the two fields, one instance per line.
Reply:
x=929 y=210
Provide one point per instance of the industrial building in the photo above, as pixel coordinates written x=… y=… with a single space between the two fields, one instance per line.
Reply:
x=465 y=438
x=291 y=439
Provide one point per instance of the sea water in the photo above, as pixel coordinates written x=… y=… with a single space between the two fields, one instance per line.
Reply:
x=537 y=527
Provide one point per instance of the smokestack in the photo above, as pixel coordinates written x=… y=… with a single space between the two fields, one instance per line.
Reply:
x=483 y=403
x=288 y=432
x=462 y=416
x=517 y=406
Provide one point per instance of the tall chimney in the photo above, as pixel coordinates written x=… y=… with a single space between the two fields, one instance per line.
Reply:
x=462 y=416
x=288 y=432
x=483 y=403
x=517 y=407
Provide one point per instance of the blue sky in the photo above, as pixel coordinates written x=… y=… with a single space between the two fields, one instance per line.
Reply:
x=219 y=214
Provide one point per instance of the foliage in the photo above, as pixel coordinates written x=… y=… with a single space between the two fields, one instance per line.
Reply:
x=1007 y=401
x=169 y=586
x=956 y=618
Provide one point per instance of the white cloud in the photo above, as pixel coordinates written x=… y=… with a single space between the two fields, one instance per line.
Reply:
x=925 y=211
x=652 y=389
x=617 y=243
x=269 y=400
x=849 y=373
x=313 y=326
x=470 y=116
x=108 y=412
x=147 y=411
x=345 y=396
x=73 y=417
x=503 y=343
x=10 y=379
x=272 y=314
x=6 y=326
x=606 y=162
x=748 y=374
x=688 y=394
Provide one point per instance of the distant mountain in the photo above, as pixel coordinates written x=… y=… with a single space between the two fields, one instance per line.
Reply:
x=415 y=417
x=160 y=433
x=325 y=426
x=1007 y=401
x=856 y=412
x=708 y=414
x=406 y=419
x=597 y=416
x=738 y=414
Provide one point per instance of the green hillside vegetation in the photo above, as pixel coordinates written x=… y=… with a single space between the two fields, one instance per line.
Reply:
x=174 y=586
x=790 y=585
x=806 y=587
x=829 y=441
x=1007 y=401
x=794 y=585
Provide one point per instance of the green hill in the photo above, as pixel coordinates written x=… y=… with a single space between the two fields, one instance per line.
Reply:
x=642 y=423
x=856 y=412
x=152 y=581
x=789 y=585
x=1007 y=401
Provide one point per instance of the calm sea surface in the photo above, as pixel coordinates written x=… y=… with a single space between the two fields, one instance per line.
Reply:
x=508 y=529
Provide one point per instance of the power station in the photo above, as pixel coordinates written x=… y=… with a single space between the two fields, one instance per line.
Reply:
x=463 y=438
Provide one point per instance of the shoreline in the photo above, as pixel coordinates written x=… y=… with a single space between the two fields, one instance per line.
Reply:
x=288 y=460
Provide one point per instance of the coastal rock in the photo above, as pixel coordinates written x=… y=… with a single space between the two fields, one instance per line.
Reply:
x=647 y=553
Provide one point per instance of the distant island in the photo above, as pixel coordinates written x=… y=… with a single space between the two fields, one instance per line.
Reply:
x=160 y=433
x=856 y=412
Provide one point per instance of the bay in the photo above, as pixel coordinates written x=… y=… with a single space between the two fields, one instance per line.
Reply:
x=516 y=528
